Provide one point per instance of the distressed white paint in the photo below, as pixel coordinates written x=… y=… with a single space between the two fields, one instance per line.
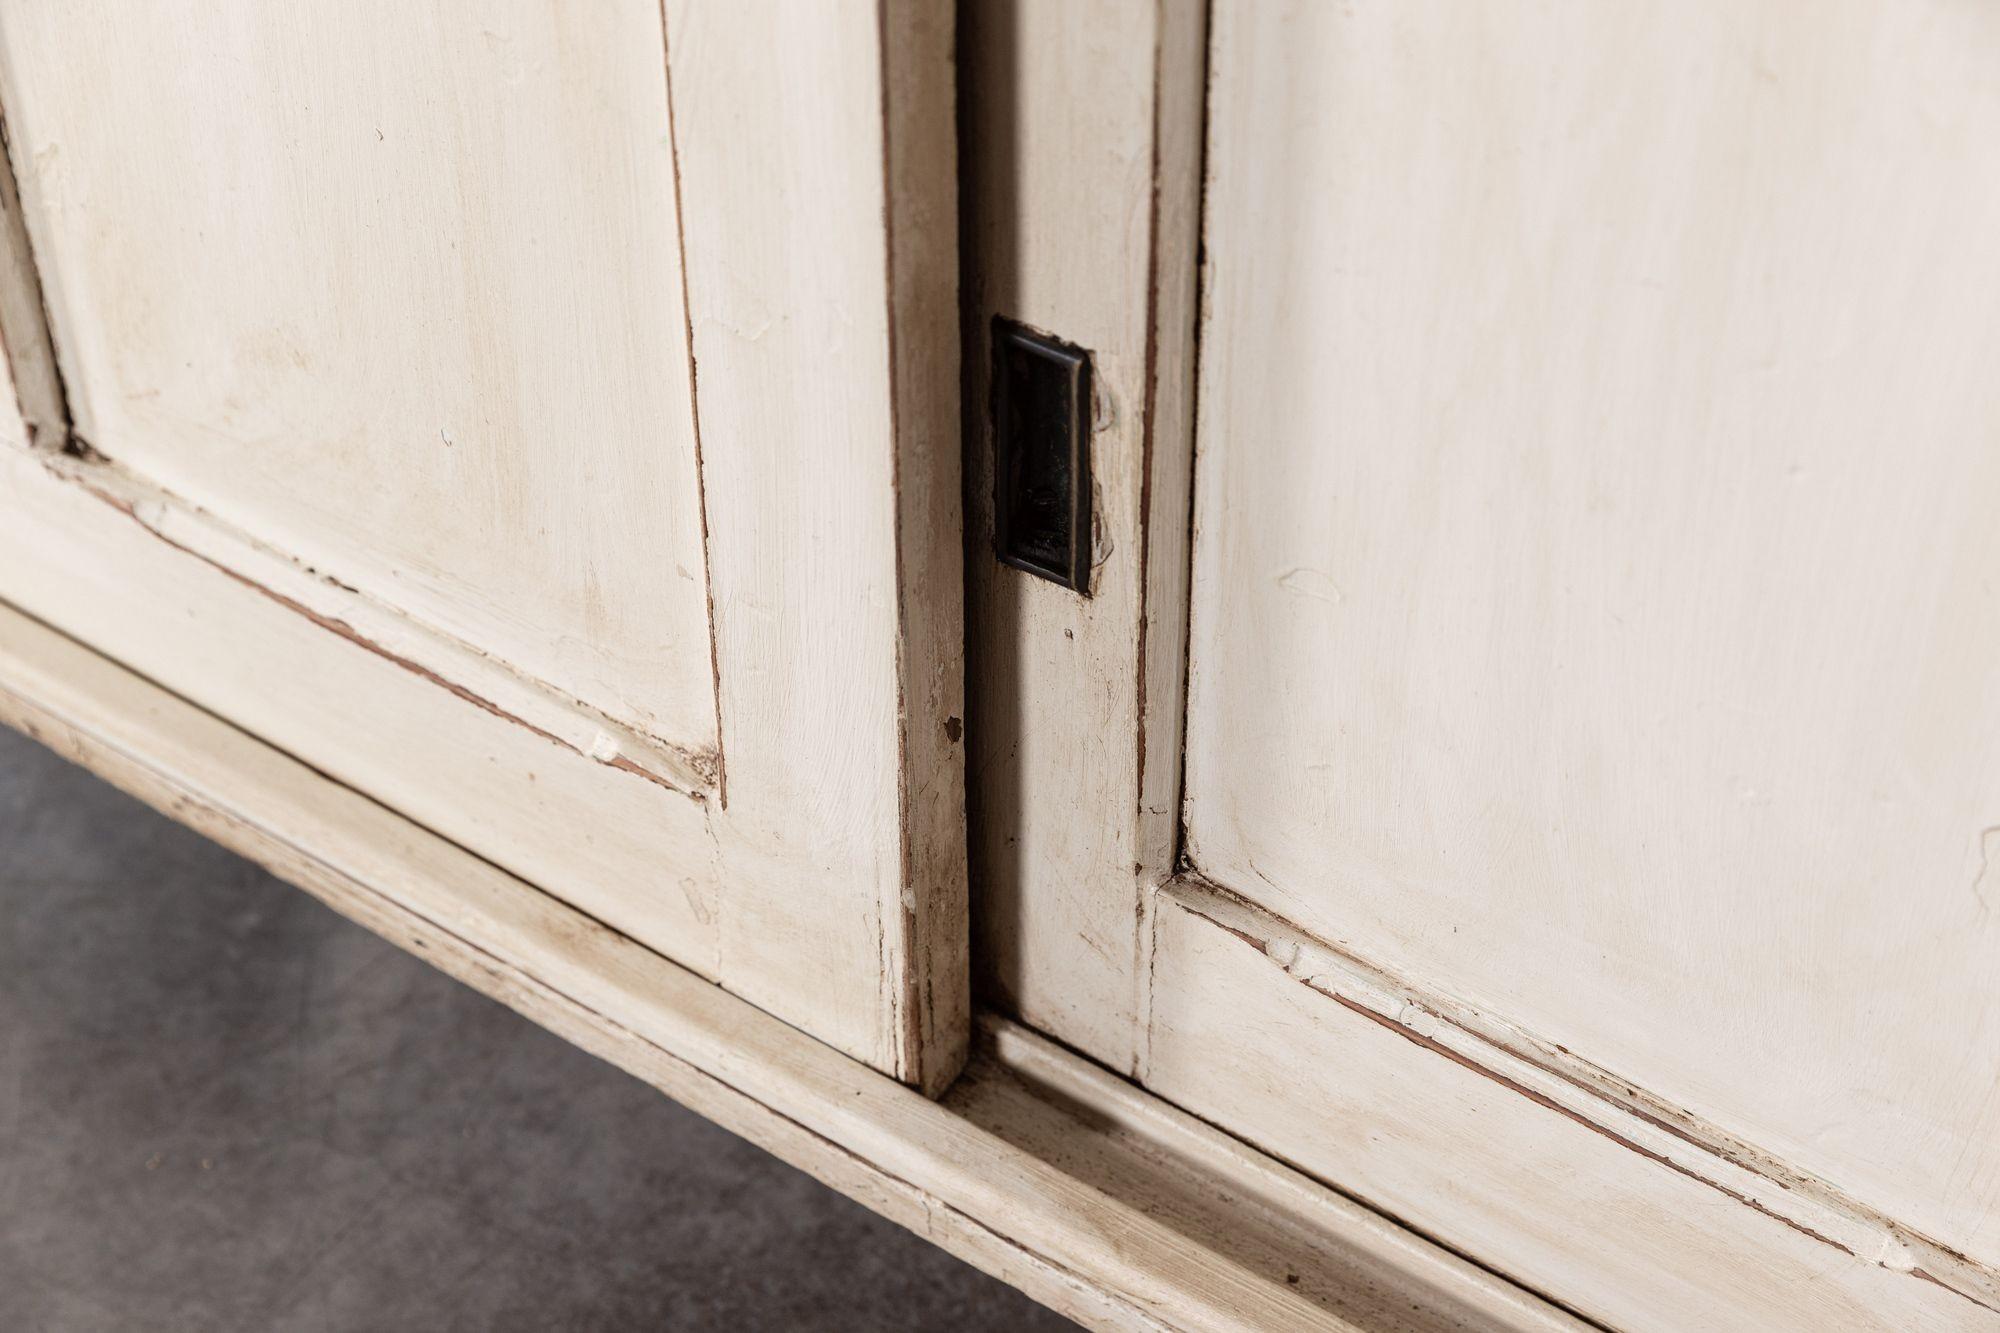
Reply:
x=1082 y=140
x=828 y=428
x=395 y=287
x=1595 y=612
x=373 y=327
x=1290 y=1053
x=76 y=552
x=36 y=415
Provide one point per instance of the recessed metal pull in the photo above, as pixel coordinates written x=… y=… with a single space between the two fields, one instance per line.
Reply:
x=1041 y=464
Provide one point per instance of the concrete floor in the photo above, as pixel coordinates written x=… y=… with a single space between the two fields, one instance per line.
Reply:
x=224 y=1107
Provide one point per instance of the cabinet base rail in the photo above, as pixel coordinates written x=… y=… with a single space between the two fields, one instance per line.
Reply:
x=1094 y=1197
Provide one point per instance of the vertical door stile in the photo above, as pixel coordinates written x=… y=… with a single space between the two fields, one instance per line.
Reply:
x=1080 y=166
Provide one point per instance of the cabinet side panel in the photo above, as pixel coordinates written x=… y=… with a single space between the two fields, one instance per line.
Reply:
x=921 y=152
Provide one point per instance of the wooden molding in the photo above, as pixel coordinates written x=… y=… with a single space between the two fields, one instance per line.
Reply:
x=1505 y=1148
x=1037 y=1167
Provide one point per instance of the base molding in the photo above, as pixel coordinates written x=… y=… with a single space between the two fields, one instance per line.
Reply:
x=1408 y=1103
x=1094 y=1197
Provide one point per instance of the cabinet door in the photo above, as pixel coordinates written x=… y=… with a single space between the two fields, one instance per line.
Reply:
x=1594 y=600
x=540 y=417
x=1588 y=846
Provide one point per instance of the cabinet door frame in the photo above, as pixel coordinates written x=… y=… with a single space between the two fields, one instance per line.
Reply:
x=1112 y=937
x=813 y=864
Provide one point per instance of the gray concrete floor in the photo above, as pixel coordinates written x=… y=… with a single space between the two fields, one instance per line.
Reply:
x=224 y=1107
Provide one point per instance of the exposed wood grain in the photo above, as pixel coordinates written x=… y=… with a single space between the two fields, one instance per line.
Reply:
x=1271 y=1039
x=1081 y=189
x=920 y=164
x=1066 y=1213
x=39 y=406
x=1594 y=599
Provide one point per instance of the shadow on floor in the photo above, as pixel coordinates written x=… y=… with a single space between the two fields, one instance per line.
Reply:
x=224 y=1107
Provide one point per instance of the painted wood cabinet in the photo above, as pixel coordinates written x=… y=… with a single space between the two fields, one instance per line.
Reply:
x=1492 y=829
x=451 y=396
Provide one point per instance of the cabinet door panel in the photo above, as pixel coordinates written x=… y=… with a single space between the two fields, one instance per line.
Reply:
x=378 y=327
x=1595 y=555
x=395 y=289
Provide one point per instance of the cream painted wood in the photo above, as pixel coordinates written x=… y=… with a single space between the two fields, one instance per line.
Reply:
x=37 y=414
x=383 y=362
x=1594 y=587
x=1082 y=193
x=829 y=423
x=1039 y=1168
x=1280 y=1039
x=396 y=288
x=86 y=548
x=1592 y=720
